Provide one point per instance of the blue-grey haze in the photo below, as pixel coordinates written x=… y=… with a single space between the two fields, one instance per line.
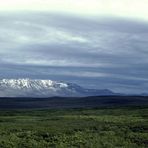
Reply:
x=97 y=52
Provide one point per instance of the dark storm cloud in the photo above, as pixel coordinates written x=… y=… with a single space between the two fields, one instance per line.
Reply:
x=97 y=52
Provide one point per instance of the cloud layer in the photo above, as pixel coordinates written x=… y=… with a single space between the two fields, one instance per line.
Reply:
x=98 y=52
x=118 y=8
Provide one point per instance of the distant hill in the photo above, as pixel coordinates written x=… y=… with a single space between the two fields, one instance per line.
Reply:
x=72 y=102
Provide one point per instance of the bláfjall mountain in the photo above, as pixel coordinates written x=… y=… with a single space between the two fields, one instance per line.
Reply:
x=45 y=88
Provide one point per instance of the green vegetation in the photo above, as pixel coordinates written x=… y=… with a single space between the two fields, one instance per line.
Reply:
x=125 y=127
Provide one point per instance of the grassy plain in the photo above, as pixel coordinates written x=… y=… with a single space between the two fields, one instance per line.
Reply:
x=115 y=127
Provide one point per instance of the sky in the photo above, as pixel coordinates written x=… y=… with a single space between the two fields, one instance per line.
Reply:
x=100 y=44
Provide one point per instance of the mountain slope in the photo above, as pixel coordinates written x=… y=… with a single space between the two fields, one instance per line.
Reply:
x=45 y=88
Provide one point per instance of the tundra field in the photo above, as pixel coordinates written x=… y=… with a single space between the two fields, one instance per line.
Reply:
x=102 y=127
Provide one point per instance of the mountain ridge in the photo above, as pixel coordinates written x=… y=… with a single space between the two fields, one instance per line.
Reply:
x=45 y=88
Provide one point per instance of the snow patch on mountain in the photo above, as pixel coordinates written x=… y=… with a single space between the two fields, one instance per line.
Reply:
x=44 y=88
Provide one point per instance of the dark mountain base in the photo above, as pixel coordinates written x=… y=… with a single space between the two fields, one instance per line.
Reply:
x=65 y=102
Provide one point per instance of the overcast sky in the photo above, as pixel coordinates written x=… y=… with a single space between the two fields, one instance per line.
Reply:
x=94 y=43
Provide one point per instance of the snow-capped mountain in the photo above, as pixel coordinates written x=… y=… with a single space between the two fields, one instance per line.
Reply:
x=44 y=88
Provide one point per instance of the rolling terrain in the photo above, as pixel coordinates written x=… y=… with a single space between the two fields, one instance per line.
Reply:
x=72 y=102
x=73 y=121
x=105 y=127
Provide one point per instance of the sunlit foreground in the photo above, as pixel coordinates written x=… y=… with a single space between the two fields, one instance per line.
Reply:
x=99 y=127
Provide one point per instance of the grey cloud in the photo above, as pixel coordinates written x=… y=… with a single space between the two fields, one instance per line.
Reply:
x=102 y=52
